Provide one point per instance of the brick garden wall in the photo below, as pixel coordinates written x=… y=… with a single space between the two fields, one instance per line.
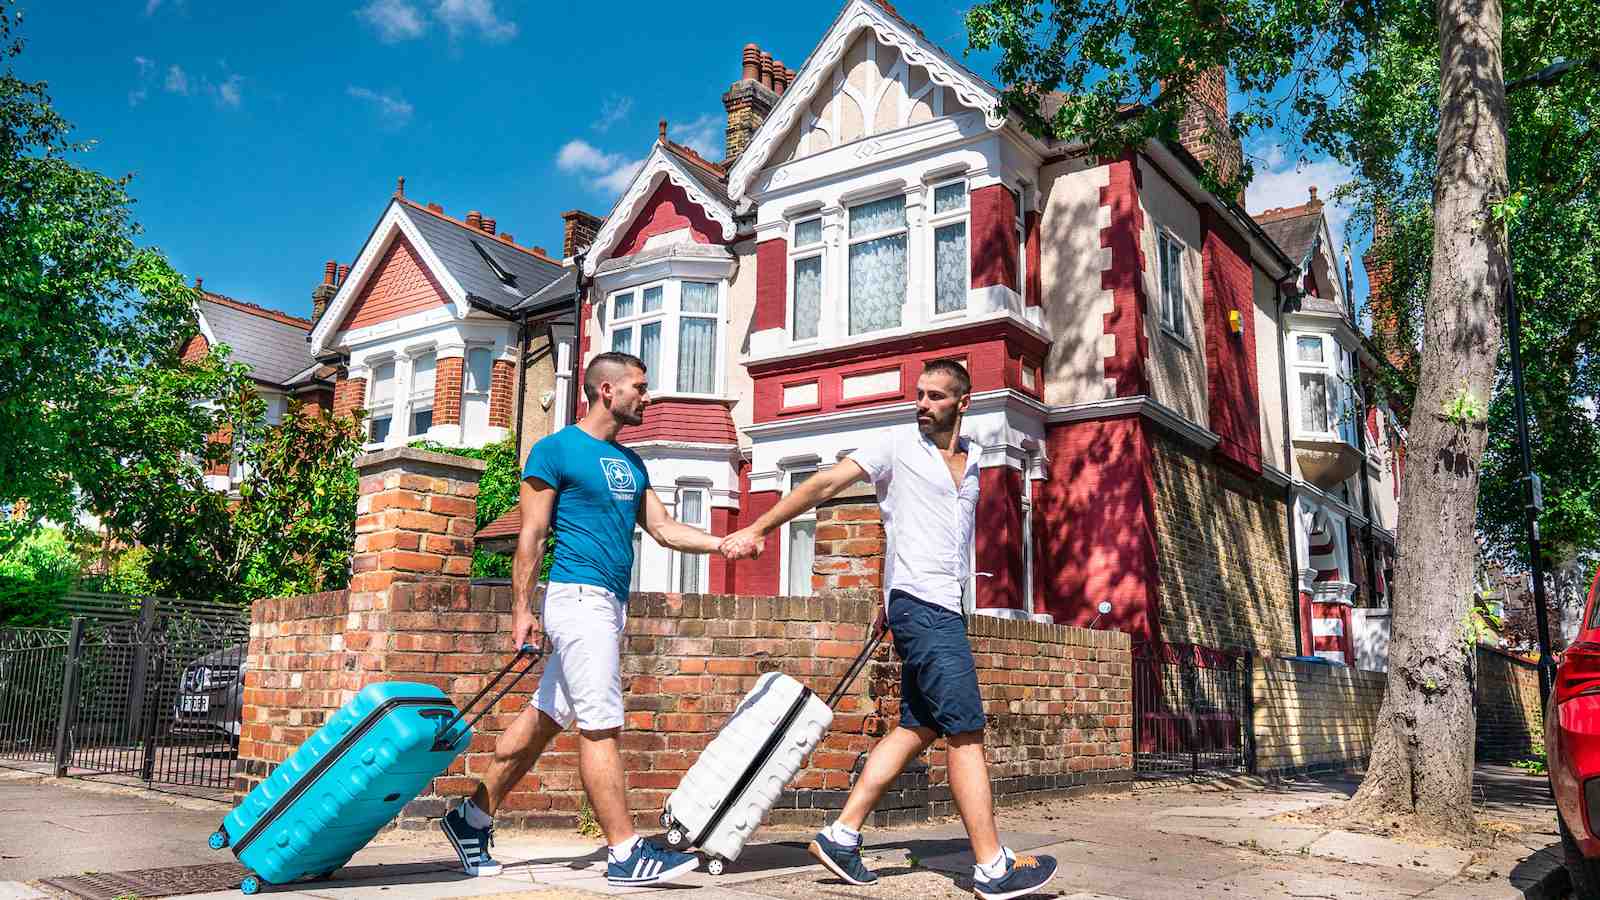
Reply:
x=1313 y=718
x=1510 y=725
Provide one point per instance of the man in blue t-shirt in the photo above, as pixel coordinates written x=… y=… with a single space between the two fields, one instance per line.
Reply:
x=594 y=491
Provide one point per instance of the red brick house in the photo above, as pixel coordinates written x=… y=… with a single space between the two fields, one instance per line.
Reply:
x=1166 y=422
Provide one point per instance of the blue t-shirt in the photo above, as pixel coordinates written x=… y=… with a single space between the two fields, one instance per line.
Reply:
x=599 y=487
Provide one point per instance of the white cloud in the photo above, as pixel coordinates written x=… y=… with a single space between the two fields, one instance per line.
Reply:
x=614 y=109
x=704 y=135
x=395 y=20
x=607 y=172
x=151 y=6
x=227 y=91
x=141 y=90
x=1282 y=181
x=392 y=109
x=463 y=16
x=177 y=81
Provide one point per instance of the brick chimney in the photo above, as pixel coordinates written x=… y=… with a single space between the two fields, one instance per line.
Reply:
x=1381 y=306
x=578 y=230
x=344 y=272
x=749 y=100
x=487 y=225
x=1204 y=129
x=474 y=219
x=323 y=293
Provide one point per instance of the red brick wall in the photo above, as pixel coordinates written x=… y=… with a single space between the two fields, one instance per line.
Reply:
x=994 y=237
x=1034 y=295
x=399 y=285
x=772 y=285
x=1124 y=278
x=1231 y=380
x=849 y=546
x=1095 y=534
x=668 y=209
x=222 y=438
x=447 y=391
x=502 y=381
x=763 y=575
x=999 y=539
x=683 y=419
x=195 y=348
x=312 y=403
x=349 y=394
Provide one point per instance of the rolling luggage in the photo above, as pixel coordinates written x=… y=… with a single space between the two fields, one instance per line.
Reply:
x=728 y=791
x=351 y=777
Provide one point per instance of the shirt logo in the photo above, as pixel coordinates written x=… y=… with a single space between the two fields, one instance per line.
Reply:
x=619 y=475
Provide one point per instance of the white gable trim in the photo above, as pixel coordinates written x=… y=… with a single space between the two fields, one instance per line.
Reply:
x=857 y=16
x=394 y=222
x=205 y=327
x=659 y=166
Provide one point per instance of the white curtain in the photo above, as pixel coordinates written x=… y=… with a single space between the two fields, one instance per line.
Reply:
x=697 y=338
x=950 y=268
x=650 y=352
x=1313 y=401
x=802 y=551
x=652 y=299
x=691 y=511
x=700 y=297
x=622 y=340
x=877 y=266
x=475 y=397
x=807 y=297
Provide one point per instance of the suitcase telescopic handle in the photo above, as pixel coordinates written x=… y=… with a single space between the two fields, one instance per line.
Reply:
x=528 y=652
x=879 y=627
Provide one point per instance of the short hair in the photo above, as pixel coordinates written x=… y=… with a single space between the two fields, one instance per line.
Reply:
x=601 y=369
x=952 y=369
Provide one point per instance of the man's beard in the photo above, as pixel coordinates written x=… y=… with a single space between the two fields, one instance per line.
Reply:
x=634 y=416
x=930 y=425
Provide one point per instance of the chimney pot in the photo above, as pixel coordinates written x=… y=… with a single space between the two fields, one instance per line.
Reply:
x=1313 y=193
x=486 y=225
x=474 y=219
x=329 y=270
x=540 y=250
x=344 y=272
x=766 y=69
x=751 y=59
x=197 y=282
x=506 y=236
x=662 y=130
x=435 y=207
x=400 y=186
x=780 y=76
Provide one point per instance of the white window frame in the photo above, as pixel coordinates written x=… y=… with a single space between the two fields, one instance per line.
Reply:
x=852 y=240
x=801 y=472
x=931 y=266
x=1174 y=292
x=701 y=561
x=1334 y=369
x=468 y=398
x=1017 y=205
x=799 y=253
x=415 y=401
x=390 y=406
x=664 y=373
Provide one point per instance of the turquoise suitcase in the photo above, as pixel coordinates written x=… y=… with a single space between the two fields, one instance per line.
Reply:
x=351 y=778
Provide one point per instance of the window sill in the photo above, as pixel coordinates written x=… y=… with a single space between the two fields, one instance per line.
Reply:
x=1177 y=338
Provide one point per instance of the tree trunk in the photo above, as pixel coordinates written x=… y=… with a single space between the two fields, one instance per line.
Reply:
x=1422 y=756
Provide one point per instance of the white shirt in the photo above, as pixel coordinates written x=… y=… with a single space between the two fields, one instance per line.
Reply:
x=928 y=521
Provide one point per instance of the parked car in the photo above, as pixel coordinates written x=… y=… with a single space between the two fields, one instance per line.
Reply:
x=211 y=694
x=1572 y=751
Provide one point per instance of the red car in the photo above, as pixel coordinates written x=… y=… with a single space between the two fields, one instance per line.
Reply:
x=1572 y=748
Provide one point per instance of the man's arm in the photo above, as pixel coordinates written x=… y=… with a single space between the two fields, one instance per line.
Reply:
x=669 y=532
x=816 y=489
x=537 y=501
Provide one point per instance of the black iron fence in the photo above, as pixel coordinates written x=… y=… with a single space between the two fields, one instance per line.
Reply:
x=1191 y=710
x=155 y=696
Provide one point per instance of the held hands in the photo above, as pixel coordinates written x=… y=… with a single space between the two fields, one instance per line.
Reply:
x=743 y=544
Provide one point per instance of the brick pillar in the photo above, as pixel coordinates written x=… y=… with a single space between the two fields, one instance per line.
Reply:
x=994 y=238
x=999 y=539
x=447 y=391
x=850 y=545
x=349 y=394
x=502 y=380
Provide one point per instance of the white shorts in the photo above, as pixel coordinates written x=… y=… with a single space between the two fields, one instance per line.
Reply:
x=582 y=678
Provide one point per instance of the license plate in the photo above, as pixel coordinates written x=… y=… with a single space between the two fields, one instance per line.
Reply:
x=197 y=704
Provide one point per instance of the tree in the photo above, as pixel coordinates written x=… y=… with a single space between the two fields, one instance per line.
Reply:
x=1308 y=69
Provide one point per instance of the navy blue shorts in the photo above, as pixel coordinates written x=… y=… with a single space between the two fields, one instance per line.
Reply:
x=938 y=678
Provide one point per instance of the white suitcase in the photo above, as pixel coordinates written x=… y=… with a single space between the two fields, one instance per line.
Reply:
x=724 y=796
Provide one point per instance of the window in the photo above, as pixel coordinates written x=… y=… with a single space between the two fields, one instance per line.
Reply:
x=1322 y=373
x=877 y=264
x=1022 y=241
x=806 y=265
x=1174 y=306
x=380 y=403
x=422 y=378
x=691 y=511
x=673 y=328
x=800 y=544
x=475 y=391
x=952 y=269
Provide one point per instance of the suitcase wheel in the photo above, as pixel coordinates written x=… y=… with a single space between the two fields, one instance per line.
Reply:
x=218 y=840
x=250 y=885
x=675 y=837
x=716 y=866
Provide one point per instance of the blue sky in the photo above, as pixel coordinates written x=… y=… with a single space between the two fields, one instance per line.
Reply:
x=264 y=139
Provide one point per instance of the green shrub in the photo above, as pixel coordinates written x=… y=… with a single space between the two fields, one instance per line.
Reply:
x=35 y=573
x=498 y=492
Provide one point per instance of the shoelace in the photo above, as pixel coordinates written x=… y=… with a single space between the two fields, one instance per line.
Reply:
x=1028 y=862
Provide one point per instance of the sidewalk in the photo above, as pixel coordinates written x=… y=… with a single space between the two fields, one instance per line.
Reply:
x=1234 y=841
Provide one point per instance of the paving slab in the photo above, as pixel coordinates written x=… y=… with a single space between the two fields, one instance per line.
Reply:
x=16 y=890
x=1256 y=835
x=1371 y=850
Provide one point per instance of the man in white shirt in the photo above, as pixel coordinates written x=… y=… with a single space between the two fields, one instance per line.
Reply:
x=927 y=487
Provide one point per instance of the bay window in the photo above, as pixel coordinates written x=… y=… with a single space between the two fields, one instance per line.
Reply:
x=877 y=264
x=799 y=544
x=380 y=402
x=806 y=265
x=475 y=391
x=422 y=382
x=1174 y=304
x=1322 y=379
x=952 y=271
x=672 y=327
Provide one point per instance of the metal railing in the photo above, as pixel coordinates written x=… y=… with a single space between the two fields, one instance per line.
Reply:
x=1191 y=710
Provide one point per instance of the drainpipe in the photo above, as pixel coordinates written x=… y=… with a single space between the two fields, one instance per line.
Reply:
x=1361 y=444
x=522 y=379
x=578 y=297
x=1288 y=488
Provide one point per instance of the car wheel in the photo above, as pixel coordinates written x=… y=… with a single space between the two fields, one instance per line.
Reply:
x=1585 y=872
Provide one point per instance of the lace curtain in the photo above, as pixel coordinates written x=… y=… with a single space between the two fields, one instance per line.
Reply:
x=807 y=297
x=650 y=352
x=878 y=265
x=950 y=268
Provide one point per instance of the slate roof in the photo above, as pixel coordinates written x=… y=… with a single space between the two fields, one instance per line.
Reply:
x=710 y=175
x=1293 y=229
x=273 y=344
x=462 y=249
x=558 y=293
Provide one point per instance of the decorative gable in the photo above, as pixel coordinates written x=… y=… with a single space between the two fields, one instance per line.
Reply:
x=871 y=73
x=668 y=216
x=399 y=286
x=664 y=193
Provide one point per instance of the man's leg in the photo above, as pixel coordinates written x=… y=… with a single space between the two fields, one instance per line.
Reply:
x=884 y=764
x=600 y=768
x=515 y=753
x=969 y=782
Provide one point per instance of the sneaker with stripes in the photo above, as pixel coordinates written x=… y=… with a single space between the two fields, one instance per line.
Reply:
x=471 y=844
x=649 y=864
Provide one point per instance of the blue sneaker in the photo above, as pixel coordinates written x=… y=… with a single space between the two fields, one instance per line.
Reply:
x=841 y=859
x=472 y=844
x=1024 y=875
x=649 y=864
